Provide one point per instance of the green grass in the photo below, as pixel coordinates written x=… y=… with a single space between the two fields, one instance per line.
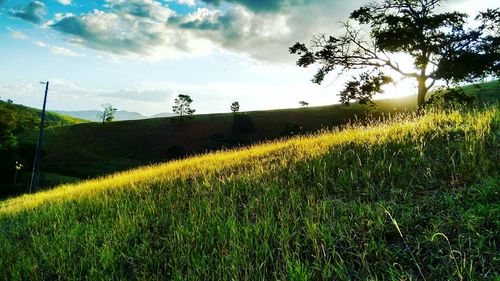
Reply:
x=93 y=149
x=401 y=199
x=28 y=119
x=89 y=150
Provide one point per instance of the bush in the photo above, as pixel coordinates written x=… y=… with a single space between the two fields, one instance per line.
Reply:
x=176 y=152
x=292 y=129
x=242 y=123
x=445 y=98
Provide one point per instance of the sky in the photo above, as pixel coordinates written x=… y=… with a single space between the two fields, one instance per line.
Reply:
x=138 y=55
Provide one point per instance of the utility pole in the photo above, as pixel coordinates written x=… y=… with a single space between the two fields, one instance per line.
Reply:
x=35 y=175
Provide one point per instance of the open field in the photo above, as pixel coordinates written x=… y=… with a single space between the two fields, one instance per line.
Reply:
x=400 y=199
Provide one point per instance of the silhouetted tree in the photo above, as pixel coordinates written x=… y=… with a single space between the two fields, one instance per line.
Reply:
x=303 y=103
x=235 y=107
x=183 y=105
x=107 y=114
x=442 y=47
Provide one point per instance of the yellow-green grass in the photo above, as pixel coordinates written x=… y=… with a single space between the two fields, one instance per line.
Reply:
x=312 y=207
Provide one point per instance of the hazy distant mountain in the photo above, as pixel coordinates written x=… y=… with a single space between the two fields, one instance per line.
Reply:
x=91 y=115
x=163 y=114
x=120 y=115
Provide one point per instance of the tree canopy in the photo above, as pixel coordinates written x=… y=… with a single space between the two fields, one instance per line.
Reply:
x=235 y=107
x=443 y=47
x=107 y=114
x=183 y=105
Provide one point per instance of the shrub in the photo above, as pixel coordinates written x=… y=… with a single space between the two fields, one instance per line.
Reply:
x=445 y=98
x=242 y=123
x=176 y=152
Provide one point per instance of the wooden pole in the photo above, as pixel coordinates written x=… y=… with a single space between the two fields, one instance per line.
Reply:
x=35 y=176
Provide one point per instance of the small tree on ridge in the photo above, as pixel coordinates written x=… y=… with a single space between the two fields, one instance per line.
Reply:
x=107 y=114
x=235 y=107
x=183 y=105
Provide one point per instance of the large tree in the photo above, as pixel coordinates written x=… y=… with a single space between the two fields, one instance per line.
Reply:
x=443 y=46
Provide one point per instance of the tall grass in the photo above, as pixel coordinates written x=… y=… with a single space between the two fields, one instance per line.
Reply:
x=310 y=207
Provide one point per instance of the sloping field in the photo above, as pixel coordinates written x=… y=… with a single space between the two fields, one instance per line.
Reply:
x=409 y=198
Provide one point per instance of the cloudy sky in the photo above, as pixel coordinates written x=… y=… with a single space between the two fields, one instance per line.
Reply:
x=139 y=54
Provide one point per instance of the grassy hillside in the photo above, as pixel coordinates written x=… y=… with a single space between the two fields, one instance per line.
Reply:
x=487 y=92
x=28 y=118
x=89 y=150
x=410 y=197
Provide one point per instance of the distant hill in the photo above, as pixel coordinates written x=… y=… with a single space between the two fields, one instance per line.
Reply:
x=163 y=114
x=28 y=118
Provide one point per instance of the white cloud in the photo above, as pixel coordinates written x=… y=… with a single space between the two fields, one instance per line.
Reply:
x=40 y=44
x=136 y=29
x=59 y=50
x=17 y=34
x=65 y=2
x=149 y=29
x=190 y=3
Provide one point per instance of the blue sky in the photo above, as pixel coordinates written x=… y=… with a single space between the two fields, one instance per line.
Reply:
x=140 y=54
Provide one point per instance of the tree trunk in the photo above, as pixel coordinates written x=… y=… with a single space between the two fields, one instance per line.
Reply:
x=422 y=91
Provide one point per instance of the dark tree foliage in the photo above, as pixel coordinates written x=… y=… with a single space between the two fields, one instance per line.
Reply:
x=442 y=45
x=446 y=98
x=7 y=127
x=292 y=129
x=183 y=105
x=235 y=107
x=363 y=88
x=303 y=103
x=176 y=152
x=242 y=123
x=8 y=146
x=107 y=114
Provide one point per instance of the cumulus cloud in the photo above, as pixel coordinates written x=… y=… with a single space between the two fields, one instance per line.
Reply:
x=263 y=30
x=260 y=6
x=137 y=27
x=148 y=29
x=190 y=3
x=65 y=2
x=33 y=12
x=264 y=36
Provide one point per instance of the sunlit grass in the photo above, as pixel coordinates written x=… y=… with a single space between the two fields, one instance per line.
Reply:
x=307 y=207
